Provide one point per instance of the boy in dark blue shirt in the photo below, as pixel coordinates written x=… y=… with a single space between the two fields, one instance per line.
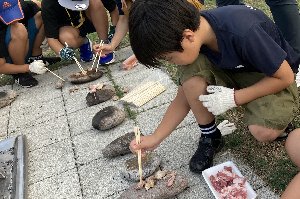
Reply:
x=243 y=61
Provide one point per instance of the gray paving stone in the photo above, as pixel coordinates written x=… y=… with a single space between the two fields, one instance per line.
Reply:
x=123 y=54
x=50 y=160
x=100 y=180
x=81 y=121
x=3 y=124
x=89 y=145
x=25 y=116
x=117 y=71
x=61 y=186
x=149 y=120
x=196 y=192
x=46 y=133
x=36 y=96
x=5 y=110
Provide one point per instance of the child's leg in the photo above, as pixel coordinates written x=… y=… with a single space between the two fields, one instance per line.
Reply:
x=17 y=41
x=71 y=36
x=194 y=80
x=293 y=149
x=97 y=15
x=287 y=18
x=36 y=34
x=268 y=116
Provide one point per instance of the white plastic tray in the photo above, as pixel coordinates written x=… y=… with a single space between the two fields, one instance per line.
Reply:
x=214 y=170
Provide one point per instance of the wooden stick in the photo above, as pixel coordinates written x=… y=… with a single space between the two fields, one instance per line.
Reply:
x=80 y=67
x=54 y=74
x=101 y=44
x=138 y=141
x=97 y=54
x=77 y=62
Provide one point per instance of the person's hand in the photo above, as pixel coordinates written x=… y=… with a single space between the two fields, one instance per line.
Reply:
x=37 y=67
x=219 y=99
x=130 y=62
x=67 y=53
x=106 y=49
x=148 y=143
x=226 y=127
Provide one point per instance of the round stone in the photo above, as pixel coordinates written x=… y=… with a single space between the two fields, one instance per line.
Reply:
x=101 y=95
x=7 y=97
x=80 y=78
x=150 y=163
x=108 y=118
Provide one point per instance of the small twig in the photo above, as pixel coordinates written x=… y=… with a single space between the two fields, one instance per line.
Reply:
x=138 y=141
x=54 y=74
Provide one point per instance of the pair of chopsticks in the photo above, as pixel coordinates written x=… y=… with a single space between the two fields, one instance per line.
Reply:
x=101 y=44
x=77 y=62
x=138 y=141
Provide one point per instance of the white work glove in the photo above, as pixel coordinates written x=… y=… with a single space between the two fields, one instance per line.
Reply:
x=226 y=127
x=298 y=78
x=37 y=67
x=219 y=100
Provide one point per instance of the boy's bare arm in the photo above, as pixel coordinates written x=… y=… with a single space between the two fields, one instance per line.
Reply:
x=174 y=115
x=7 y=68
x=281 y=79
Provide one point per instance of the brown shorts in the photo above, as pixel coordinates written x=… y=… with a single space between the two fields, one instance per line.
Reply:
x=274 y=111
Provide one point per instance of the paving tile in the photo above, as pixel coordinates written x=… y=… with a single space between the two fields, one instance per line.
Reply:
x=25 y=116
x=61 y=186
x=50 y=160
x=100 y=179
x=149 y=120
x=46 y=133
x=266 y=193
x=89 y=145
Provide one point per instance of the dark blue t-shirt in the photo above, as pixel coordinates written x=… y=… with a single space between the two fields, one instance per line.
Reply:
x=248 y=40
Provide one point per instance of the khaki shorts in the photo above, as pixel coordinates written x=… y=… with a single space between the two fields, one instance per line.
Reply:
x=274 y=111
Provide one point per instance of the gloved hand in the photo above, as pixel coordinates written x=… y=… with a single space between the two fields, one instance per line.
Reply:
x=226 y=127
x=67 y=53
x=37 y=67
x=219 y=100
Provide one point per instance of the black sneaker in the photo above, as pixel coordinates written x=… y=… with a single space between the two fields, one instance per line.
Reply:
x=203 y=157
x=25 y=80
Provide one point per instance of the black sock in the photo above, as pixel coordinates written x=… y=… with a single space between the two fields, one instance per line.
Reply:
x=210 y=130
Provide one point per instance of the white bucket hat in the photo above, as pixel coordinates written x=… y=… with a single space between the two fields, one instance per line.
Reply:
x=76 y=5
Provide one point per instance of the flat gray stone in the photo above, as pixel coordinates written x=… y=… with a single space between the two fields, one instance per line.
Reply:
x=159 y=191
x=108 y=118
x=79 y=78
x=119 y=146
x=101 y=95
x=63 y=185
x=150 y=163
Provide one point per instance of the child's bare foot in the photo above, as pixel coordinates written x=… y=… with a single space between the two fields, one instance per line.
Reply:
x=129 y=63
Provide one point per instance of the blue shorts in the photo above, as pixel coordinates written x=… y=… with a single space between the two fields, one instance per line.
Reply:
x=32 y=32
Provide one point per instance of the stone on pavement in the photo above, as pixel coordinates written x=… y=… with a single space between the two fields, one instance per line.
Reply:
x=7 y=97
x=101 y=95
x=150 y=163
x=160 y=190
x=108 y=118
x=119 y=146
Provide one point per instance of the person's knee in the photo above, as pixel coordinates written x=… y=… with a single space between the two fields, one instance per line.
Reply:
x=195 y=86
x=70 y=38
x=263 y=134
x=19 y=32
x=292 y=140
